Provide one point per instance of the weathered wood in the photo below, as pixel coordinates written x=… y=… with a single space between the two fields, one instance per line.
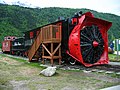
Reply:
x=43 y=55
x=56 y=49
x=50 y=34
x=46 y=49
x=52 y=53
x=34 y=47
x=49 y=57
x=60 y=55
x=52 y=41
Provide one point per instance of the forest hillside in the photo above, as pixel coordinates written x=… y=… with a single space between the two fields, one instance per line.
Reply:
x=16 y=19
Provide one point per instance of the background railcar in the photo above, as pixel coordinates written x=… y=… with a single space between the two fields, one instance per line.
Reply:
x=18 y=46
x=7 y=44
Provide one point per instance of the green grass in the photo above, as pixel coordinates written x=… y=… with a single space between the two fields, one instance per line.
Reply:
x=33 y=64
x=114 y=75
x=113 y=57
x=74 y=79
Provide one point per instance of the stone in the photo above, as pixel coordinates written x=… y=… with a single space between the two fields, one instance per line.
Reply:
x=85 y=71
x=109 y=72
x=50 y=71
x=100 y=71
x=118 y=73
x=94 y=70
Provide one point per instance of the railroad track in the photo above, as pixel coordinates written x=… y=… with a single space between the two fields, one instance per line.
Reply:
x=101 y=68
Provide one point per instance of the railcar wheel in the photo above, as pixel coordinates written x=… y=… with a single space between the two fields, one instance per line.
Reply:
x=92 y=44
x=64 y=58
x=62 y=61
x=71 y=61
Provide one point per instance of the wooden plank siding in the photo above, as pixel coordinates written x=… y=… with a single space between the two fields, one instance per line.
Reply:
x=51 y=35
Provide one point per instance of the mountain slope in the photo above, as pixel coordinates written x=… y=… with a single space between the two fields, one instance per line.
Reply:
x=15 y=19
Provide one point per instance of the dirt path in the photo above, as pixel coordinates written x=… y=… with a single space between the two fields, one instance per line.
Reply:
x=18 y=75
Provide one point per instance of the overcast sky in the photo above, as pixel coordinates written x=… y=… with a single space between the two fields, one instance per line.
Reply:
x=106 y=6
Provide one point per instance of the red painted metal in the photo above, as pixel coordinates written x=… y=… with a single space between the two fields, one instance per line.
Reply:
x=31 y=34
x=74 y=21
x=57 y=35
x=95 y=43
x=6 y=44
x=88 y=19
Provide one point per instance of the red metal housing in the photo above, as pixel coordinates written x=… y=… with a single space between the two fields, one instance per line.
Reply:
x=88 y=19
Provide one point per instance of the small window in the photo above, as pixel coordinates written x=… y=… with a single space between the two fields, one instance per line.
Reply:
x=74 y=21
x=8 y=38
x=31 y=34
x=13 y=38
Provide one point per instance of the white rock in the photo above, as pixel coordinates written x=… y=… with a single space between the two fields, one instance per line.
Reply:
x=118 y=73
x=109 y=72
x=48 y=71
x=100 y=71
x=94 y=70
x=86 y=71
x=68 y=68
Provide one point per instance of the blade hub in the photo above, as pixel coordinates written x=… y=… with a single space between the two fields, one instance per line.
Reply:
x=95 y=43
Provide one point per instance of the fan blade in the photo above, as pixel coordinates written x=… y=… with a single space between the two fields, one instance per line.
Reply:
x=89 y=37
